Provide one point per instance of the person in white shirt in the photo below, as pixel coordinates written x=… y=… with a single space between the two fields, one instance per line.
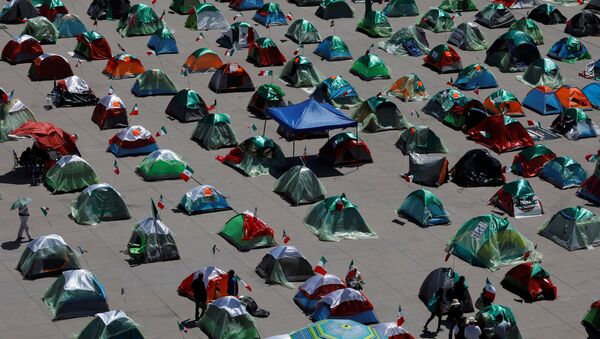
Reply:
x=24 y=216
x=472 y=331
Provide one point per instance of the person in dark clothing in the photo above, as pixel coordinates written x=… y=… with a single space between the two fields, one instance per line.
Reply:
x=199 y=295
x=232 y=284
x=435 y=307
x=455 y=312
x=459 y=328
x=459 y=289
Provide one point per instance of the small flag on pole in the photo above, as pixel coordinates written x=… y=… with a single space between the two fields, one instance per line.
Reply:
x=82 y=250
x=298 y=49
x=213 y=106
x=161 y=202
x=305 y=155
x=476 y=91
x=286 y=238
x=11 y=95
x=320 y=268
x=135 y=110
x=332 y=23
x=150 y=52
x=200 y=36
x=116 y=168
x=352 y=271
x=289 y=16
x=237 y=16
x=120 y=47
x=489 y=291
x=182 y=327
x=215 y=249
x=448 y=250
x=154 y=2
x=253 y=127
x=162 y=131
x=533 y=123
x=111 y=90
x=162 y=15
x=77 y=62
x=187 y=173
x=45 y=210
x=184 y=72
x=265 y=73
x=95 y=22
x=229 y=52
x=408 y=178
x=246 y=285
x=122 y=291
x=450 y=82
x=400 y=319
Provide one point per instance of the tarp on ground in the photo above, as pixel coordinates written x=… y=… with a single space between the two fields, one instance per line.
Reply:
x=574 y=124
x=97 y=203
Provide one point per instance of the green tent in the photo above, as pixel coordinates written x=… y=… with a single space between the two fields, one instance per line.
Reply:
x=379 y=114
x=41 y=29
x=153 y=82
x=98 y=202
x=152 y=241
x=338 y=92
x=468 y=37
x=424 y=208
x=592 y=317
x=398 y=8
x=255 y=156
x=440 y=106
x=183 y=6
x=76 y=293
x=458 y=5
x=187 y=106
x=300 y=185
x=437 y=20
x=513 y=51
x=420 y=139
x=13 y=114
x=227 y=318
x=409 y=40
x=336 y=218
x=162 y=164
x=265 y=97
x=370 y=67
x=334 y=9
x=542 y=72
x=139 y=20
x=264 y=52
x=214 y=131
x=303 y=32
x=47 y=255
x=70 y=173
x=518 y=199
x=111 y=325
x=246 y=231
x=573 y=228
x=530 y=28
x=300 y=72
x=490 y=241
x=486 y=318
x=409 y=87
x=374 y=23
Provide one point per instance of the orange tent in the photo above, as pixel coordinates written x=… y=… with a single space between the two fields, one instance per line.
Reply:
x=572 y=97
x=503 y=102
x=202 y=60
x=122 y=66
x=215 y=282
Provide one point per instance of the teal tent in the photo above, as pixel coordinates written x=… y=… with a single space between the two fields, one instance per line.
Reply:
x=424 y=208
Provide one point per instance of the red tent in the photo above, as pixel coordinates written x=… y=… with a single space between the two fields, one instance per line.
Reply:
x=529 y=162
x=530 y=281
x=263 y=52
x=110 y=112
x=50 y=67
x=345 y=149
x=214 y=279
x=443 y=59
x=48 y=137
x=92 y=46
x=23 y=48
x=500 y=133
x=50 y=11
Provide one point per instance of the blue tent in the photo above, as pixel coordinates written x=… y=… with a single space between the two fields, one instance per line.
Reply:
x=563 y=172
x=310 y=116
x=424 y=208
x=203 y=199
x=337 y=91
x=475 y=76
x=592 y=92
x=333 y=48
x=543 y=101
x=569 y=49
x=246 y=5
x=69 y=26
x=270 y=15
x=163 y=42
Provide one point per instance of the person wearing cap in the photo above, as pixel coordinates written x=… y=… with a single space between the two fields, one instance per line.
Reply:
x=472 y=331
x=455 y=312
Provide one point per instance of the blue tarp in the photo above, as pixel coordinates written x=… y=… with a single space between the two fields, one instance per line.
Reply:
x=310 y=116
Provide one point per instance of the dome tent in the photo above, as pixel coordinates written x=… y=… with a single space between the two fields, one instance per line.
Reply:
x=111 y=324
x=487 y=316
x=409 y=40
x=108 y=9
x=458 y=5
x=573 y=228
x=442 y=105
x=563 y=172
x=163 y=42
x=427 y=169
x=338 y=92
x=334 y=9
x=227 y=318
x=70 y=173
x=379 y=114
x=303 y=32
x=574 y=124
x=51 y=8
x=530 y=28
x=475 y=77
x=513 y=51
x=501 y=134
x=76 y=293
x=572 y=97
x=424 y=208
x=183 y=6
x=140 y=19
x=468 y=37
x=477 y=168
x=582 y=24
x=72 y=91
x=345 y=149
x=495 y=16
x=399 y=8
x=205 y=17
x=314 y=288
x=530 y=281
x=123 y=65
x=21 y=49
x=518 y=4
x=547 y=14
x=202 y=60
x=246 y=5
x=97 y=203
x=264 y=52
x=346 y=303
x=255 y=156
x=590 y=189
x=13 y=114
x=42 y=29
x=543 y=100
x=152 y=241
x=336 y=218
x=246 y=231
x=300 y=185
x=132 y=140
x=240 y=34
x=214 y=280
x=187 y=106
x=92 y=46
x=231 y=78
x=529 y=162
x=270 y=14
x=409 y=88
x=45 y=256
x=420 y=139
x=203 y=199
x=443 y=59
x=333 y=48
x=300 y=72
x=162 y=164
x=542 y=72
x=503 y=102
x=16 y=11
x=518 y=199
x=153 y=82
x=592 y=316
x=569 y=49
x=489 y=241
x=444 y=278
x=437 y=20
x=370 y=67
x=110 y=112
x=374 y=23
x=283 y=265
x=214 y=131
x=592 y=92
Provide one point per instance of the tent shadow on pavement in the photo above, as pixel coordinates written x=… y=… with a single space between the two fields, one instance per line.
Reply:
x=318 y=167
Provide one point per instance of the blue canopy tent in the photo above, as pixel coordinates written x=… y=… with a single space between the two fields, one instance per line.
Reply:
x=309 y=116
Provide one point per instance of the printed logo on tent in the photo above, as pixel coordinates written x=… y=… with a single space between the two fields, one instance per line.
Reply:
x=478 y=231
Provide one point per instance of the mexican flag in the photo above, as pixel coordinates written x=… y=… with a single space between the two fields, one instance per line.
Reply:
x=246 y=285
x=187 y=173
x=320 y=268
x=45 y=210
x=489 y=291
x=161 y=202
x=265 y=73
x=135 y=110
x=400 y=319
x=161 y=131
x=116 y=168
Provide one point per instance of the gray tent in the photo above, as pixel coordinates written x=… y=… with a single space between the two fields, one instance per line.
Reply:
x=573 y=228
x=214 y=131
x=409 y=40
x=427 y=169
x=468 y=37
x=495 y=16
x=300 y=186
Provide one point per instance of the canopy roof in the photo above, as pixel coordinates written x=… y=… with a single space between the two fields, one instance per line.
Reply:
x=310 y=116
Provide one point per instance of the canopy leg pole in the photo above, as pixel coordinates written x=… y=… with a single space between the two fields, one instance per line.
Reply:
x=356 y=149
x=264 y=127
x=294 y=148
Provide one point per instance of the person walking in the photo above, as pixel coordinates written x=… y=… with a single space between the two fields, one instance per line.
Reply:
x=435 y=307
x=455 y=312
x=24 y=216
x=199 y=295
x=232 y=284
x=472 y=331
